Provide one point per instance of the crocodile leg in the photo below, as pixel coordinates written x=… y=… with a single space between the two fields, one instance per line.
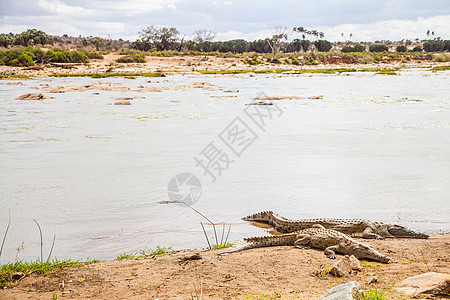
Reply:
x=369 y=234
x=330 y=252
x=302 y=241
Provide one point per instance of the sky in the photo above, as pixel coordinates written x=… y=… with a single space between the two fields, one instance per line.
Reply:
x=366 y=20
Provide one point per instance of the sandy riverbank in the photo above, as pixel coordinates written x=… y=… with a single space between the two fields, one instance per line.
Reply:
x=187 y=64
x=275 y=273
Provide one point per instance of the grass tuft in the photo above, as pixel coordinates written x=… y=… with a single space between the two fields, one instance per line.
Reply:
x=372 y=295
x=107 y=75
x=125 y=256
x=222 y=245
x=38 y=267
x=441 y=68
x=158 y=251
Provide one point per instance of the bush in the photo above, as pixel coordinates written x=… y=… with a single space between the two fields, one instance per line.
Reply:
x=417 y=49
x=275 y=60
x=347 y=49
x=355 y=48
x=400 y=49
x=16 y=58
x=78 y=57
x=58 y=55
x=378 y=48
x=323 y=45
x=434 y=46
x=359 y=48
x=132 y=58
x=94 y=55
x=442 y=58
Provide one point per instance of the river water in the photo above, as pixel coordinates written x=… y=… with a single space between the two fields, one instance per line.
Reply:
x=96 y=175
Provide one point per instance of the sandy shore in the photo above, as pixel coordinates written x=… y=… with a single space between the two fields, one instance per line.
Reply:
x=275 y=273
x=186 y=64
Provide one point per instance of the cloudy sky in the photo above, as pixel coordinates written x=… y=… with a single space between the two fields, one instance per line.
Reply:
x=367 y=20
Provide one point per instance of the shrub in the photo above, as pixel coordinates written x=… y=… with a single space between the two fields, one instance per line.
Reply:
x=417 y=49
x=442 y=58
x=434 y=46
x=359 y=48
x=133 y=58
x=347 y=49
x=400 y=49
x=355 y=48
x=94 y=55
x=275 y=60
x=323 y=45
x=295 y=62
x=78 y=57
x=378 y=48
x=16 y=58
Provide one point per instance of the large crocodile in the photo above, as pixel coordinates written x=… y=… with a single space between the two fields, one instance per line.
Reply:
x=318 y=237
x=354 y=227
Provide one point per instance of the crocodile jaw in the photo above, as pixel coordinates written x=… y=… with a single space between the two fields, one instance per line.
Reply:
x=404 y=232
x=367 y=252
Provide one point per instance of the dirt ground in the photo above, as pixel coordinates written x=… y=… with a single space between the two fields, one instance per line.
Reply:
x=271 y=273
x=183 y=64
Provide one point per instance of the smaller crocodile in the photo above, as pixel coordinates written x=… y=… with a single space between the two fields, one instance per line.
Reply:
x=358 y=228
x=318 y=237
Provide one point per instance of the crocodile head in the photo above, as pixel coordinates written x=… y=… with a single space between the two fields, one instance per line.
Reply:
x=400 y=231
x=264 y=216
x=367 y=252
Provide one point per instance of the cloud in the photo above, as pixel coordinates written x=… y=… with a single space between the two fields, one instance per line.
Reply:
x=249 y=19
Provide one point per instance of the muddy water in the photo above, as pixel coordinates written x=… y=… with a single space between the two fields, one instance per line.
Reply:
x=94 y=174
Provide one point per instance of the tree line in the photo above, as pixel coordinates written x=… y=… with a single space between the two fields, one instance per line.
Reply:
x=155 y=38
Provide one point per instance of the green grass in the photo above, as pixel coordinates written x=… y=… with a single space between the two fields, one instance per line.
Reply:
x=222 y=245
x=125 y=256
x=146 y=252
x=372 y=295
x=106 y=75
x=273 y=296
x=158 y=251
x=386 y=72
x=441 y=68
x=7 y=270
x=14 y=76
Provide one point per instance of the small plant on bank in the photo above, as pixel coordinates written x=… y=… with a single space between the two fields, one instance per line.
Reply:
x=372 y=294
x=442 y=58
x=8 y=270
x=125 y=256
x=275 y=60
x=158 y=251
x=222 y=245
x=386 y=72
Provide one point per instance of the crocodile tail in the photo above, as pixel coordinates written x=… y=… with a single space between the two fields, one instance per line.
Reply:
x=262 y=217
x=264 y=241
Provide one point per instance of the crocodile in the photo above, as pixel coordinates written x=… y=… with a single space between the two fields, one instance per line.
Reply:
x=318 y=237
x=358 y=228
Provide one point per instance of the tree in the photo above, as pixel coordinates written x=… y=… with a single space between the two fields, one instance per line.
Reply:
x=99 y=43
x=378 y=48
x=203 y=38
x=164 y=38
x=33 y=37
x=6 y=40
x=434 y=45
x=400 y=48
x=323 y=45
x=277 y=39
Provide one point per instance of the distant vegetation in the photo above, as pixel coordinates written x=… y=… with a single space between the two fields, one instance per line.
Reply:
x=296 y=46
